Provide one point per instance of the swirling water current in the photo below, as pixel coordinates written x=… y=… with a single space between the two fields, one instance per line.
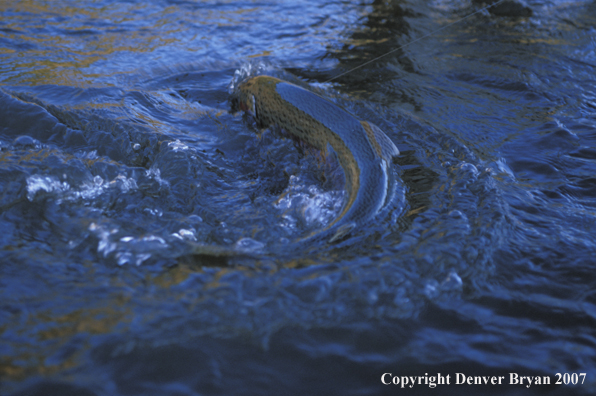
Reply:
x=125 y=183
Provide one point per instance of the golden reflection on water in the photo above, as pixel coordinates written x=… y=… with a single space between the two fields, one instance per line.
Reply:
x=54 y=330
x=61 y=44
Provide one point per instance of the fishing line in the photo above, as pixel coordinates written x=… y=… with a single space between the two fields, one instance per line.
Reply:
x=413 y=41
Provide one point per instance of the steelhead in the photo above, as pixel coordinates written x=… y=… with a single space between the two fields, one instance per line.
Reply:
x=363 y=150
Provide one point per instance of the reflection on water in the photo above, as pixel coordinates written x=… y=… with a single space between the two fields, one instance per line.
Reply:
x=146 y=230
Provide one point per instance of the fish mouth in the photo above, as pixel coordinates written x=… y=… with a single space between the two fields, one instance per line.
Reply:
x=241 y=101
x=234 y=103
x=237 y=104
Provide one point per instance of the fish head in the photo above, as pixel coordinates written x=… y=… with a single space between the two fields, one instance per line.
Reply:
x=250 y=95
x=244 y=98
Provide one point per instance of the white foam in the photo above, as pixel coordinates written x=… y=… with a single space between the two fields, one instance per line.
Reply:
x=49 y=184
x=316 y=206
x=177 y=145
x=155 y=174
x=125 y=184
x=105 y=245
x=126 y=249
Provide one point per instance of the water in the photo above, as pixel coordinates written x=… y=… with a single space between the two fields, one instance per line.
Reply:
x=125 y=183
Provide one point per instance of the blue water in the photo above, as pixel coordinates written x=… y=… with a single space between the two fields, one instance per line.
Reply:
x=127 y=189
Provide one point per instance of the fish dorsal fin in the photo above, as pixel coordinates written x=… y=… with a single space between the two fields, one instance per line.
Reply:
x=381 y=143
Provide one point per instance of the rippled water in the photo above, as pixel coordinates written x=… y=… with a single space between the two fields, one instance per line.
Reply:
x=127 y=189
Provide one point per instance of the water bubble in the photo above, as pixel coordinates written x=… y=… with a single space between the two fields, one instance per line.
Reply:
x=185 y=234
x=249 y=244
x=452 y=282
x=195 y=218
x=125 y=184
x=456 y=214
x=26 y=142
x=469 y=169
x=154 y=212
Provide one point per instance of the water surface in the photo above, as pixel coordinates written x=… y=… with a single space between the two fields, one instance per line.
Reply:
x=125 y=183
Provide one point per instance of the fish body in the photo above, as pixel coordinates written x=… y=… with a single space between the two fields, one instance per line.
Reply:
x=363 y=150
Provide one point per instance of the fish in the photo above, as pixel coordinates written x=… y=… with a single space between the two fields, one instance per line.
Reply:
x=363 y=150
